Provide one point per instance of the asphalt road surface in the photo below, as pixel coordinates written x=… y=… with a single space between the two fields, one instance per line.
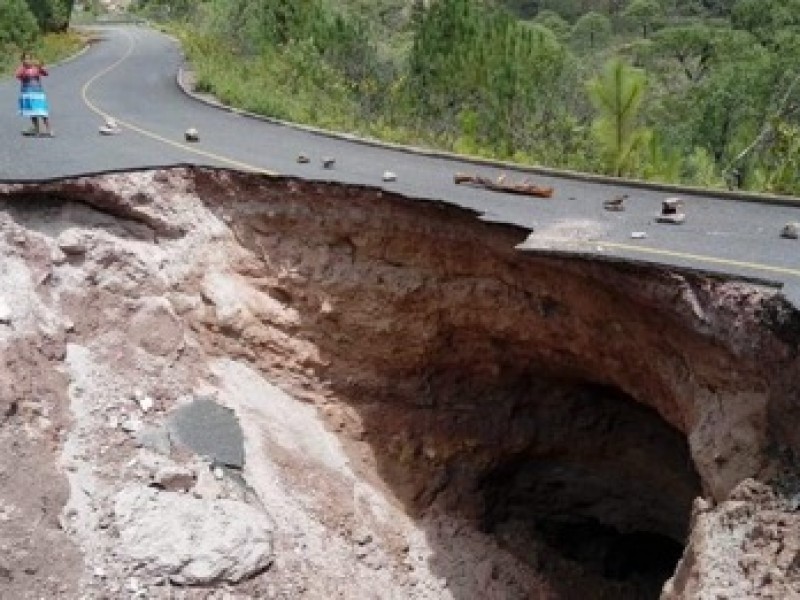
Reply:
x=131 y=76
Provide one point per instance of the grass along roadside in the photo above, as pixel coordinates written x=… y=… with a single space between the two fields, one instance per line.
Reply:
x=50 y=48
x=268 y=84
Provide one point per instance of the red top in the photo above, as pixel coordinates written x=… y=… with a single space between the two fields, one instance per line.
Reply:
x=27 y=73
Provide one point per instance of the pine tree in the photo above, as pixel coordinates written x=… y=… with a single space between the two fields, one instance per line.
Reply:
x=617 y=95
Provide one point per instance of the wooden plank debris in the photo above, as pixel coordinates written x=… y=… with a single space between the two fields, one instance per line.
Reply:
x=524 y=187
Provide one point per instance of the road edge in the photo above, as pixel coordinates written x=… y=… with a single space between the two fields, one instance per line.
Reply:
x=183 y=83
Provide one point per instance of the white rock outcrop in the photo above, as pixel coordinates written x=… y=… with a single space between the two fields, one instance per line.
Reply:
x=193 y=541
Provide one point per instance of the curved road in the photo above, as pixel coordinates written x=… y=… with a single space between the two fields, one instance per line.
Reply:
x=131 y=75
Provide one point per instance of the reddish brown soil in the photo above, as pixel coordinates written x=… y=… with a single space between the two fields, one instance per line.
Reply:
x=533 y=425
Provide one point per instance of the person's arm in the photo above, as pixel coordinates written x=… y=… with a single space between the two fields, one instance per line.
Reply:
x=20 y=74
x=42 y=70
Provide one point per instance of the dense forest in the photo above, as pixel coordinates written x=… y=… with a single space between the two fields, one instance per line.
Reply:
x=698 y=91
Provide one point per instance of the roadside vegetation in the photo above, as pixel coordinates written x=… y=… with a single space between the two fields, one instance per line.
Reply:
x=703 y=92
x=40 y=26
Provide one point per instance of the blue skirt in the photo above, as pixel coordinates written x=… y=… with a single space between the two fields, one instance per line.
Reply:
x=33 y=103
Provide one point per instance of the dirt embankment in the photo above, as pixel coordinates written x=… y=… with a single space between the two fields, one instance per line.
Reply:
x=426 y=412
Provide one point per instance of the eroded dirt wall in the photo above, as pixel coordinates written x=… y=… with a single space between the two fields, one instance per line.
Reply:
x=397 y=297
x=583 y=418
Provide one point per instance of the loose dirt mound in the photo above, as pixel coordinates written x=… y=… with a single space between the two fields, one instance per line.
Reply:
x=219 y=385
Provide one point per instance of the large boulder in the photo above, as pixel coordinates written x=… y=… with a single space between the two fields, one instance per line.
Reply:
x=192 y=541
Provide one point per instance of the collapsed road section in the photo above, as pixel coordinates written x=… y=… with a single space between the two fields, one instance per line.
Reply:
x=223 y=385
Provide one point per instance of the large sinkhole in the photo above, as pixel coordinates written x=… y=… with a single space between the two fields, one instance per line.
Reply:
x=569 y=409
x=574 y=478
x=601 y=481
x=546 y=398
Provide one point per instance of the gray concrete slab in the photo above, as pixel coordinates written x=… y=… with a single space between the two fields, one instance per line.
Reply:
x=209 y=430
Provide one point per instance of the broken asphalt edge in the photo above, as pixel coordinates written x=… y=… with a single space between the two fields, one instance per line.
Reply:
x=736 y=195
x=629 y=263
x=572 y=253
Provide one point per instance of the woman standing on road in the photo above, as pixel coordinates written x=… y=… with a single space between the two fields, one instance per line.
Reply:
x=32 y=99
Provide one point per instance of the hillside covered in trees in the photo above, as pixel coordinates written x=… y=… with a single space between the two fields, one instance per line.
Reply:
x=698 y=91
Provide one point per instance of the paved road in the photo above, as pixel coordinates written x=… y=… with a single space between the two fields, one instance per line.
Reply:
x=131 y=75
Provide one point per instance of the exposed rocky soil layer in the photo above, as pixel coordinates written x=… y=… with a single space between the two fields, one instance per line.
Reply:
x=426 y=411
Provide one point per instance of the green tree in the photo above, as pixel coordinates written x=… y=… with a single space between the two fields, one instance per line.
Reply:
x=730 y=107
x=699 y=49
x=774 y=150
x=691 y=47
x=592 y=30
x=782 y=160
x=570 y=10
x=468 y=59
x=554 y=22
x=18 y=27
x=52 y=15
x=524 y=9
x=696 y=100
x=661 y=161
x=643 y=12
x=617 y=95
x=764 y=18
x=719 y=8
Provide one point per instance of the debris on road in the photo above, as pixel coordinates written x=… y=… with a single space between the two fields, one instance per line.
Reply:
x=638 y=235
x=328 y=162
x=192 y=135
x=617 y=203
x=524 y=187
x=670 y=211
x=389 y=176
x=303 y=158
x=791 y=231
x=110 y=127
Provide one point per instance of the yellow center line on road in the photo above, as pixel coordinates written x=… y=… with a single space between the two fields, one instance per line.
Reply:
x=700 y=258
x=151 y=134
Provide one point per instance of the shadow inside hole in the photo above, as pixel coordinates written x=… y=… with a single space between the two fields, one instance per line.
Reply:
x=644 y=557
x=611 y=502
